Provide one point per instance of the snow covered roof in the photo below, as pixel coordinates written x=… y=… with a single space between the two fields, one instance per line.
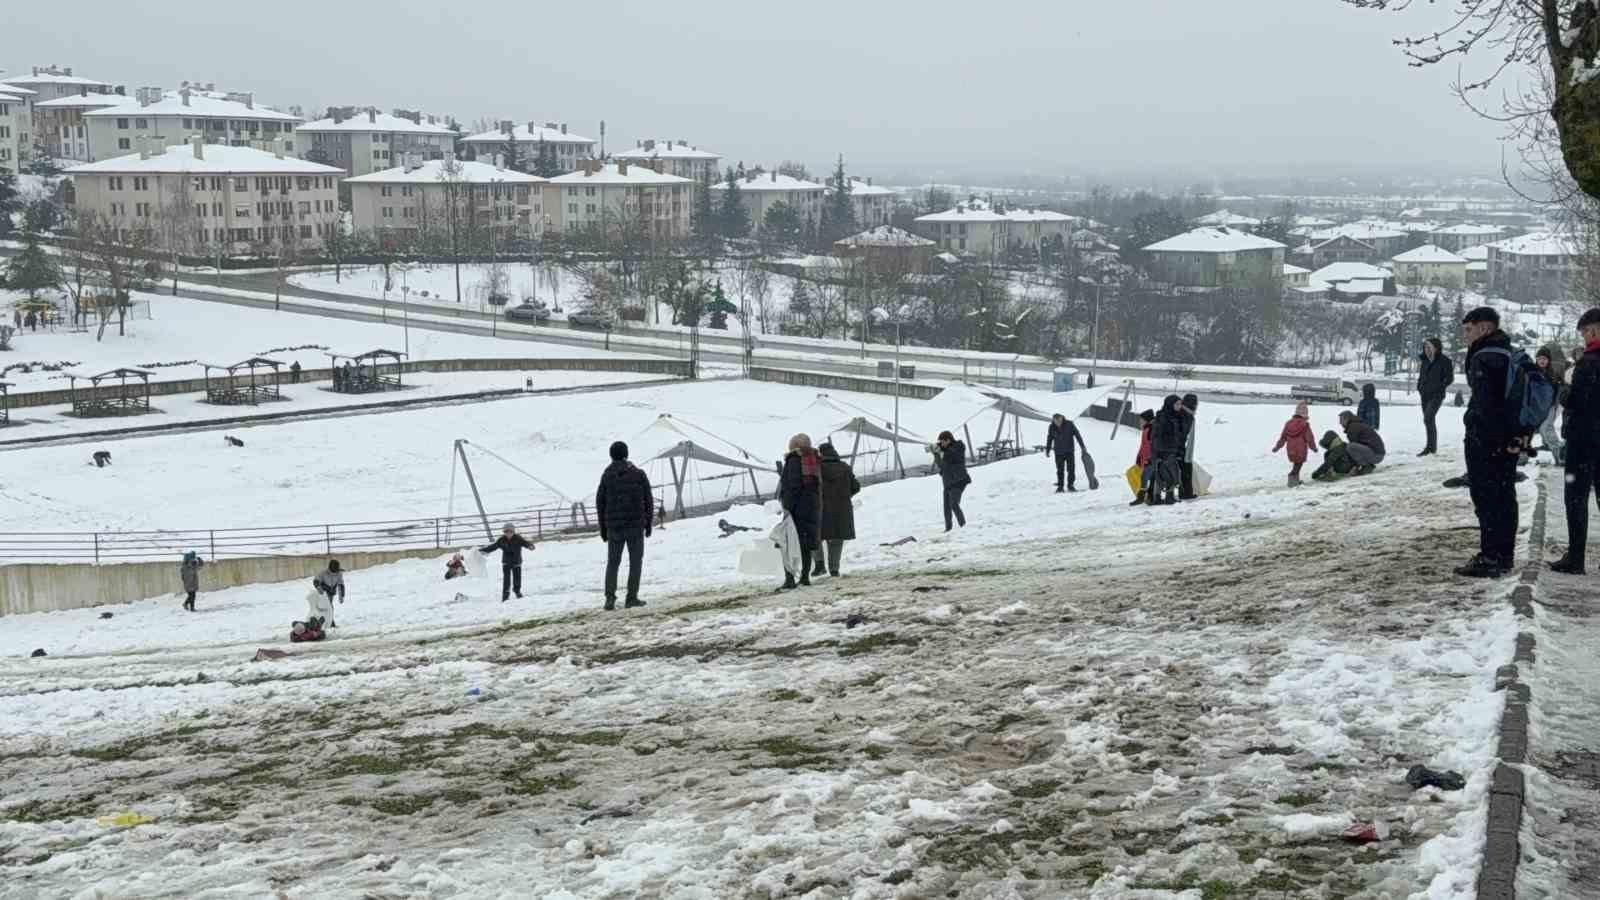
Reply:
x=10 y=98
x=1539 y=243
x=1429 y=253
x=1360 y=286
x=609 y=173
x=43 y=78
x=665 y=150
x=885 y=236
x=771 y=181
x=1478 y=266
x=433 y=171
x=1292 y=269
x=1036 y=215
x=1313 y=222
x=1334 y=273
x=213 y=158
x=83 y=101
x=200 y=106
x=15 y=88
x=1227 y=219
x=965 y=213
x=378 y=122
x=859 y=188
x=1471 y=230
x=530 y=133
x=1213 y=240
x=1480 y=253
x=1360 y=231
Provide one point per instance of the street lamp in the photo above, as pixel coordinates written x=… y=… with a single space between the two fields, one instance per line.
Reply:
x=900 y=316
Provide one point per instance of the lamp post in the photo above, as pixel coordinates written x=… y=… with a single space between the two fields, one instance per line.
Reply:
x=405 y=311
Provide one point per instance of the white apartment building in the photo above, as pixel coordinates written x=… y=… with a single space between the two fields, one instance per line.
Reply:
x=16 y=129
x=1533 y=268
x=223 y=199
x=759 y=193
x=365 y=141
x=677 y=158
x=235 y=120
x=1457 y=238
x=1430 y=264
x=569 y=148
x=609 y=196
x=408 y=200
x=60 y=123
x=874 y=205
x=1034 y=228
x=969 y=229
x=54 y=82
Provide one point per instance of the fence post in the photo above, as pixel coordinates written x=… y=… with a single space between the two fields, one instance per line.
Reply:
x=97 y=548
x=213 y=544
x=538 y=524
x=438 y=541
x=327 y=538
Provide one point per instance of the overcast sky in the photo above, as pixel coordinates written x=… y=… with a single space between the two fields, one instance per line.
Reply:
x=1044 y=86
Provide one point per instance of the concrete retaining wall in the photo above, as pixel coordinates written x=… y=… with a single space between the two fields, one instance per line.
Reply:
x=845 y=382
x=42 y=588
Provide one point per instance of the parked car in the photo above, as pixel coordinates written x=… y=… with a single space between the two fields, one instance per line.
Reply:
x=529 y=312
x=1337 y=391
x=589 y=318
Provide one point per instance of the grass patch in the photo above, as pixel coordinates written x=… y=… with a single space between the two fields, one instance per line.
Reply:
x=1299 y=800
x=366 y=764
x=533 y=787
x=1216 y=889
x=1036 y=790
x=877 y=642
x=875 y=751
x=708 y=606
x=787 y=746
x=1277 y=881
x=41 y=811
x=402 y=806
x=785 y=694
x=1006 y=721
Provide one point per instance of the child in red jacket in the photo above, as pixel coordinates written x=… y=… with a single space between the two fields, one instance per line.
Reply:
x=1146 y=452
x=1298 y=438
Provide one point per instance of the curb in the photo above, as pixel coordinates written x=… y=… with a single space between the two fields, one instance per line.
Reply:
x=1502 y=849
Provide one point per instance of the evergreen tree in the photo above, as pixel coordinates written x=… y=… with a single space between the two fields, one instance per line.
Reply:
x=781 y=226
x=10 y=200
x=33 y=270
x=733 y=219
x=1432 y=323
x=703 y=218
x=544 y=162
x=511 y=154
x=838 y=213
x=1453 y=335
x=43 y=162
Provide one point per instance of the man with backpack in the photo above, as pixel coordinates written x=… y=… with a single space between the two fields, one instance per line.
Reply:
x=1508 y=392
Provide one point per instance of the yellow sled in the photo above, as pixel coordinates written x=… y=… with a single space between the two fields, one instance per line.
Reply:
x=1135 y=475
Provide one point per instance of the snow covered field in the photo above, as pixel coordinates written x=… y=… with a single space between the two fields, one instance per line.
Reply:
x=1067 y=698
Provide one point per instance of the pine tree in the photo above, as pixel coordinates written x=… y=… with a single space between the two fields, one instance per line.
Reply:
x=511 y=151
x=544 y=162
x=703 y=219
x=1454 y=334
x=1432 y=323
x=733 y=219
x=33 y=270
x=838 y=213
x=781 y=226
x=10 y=200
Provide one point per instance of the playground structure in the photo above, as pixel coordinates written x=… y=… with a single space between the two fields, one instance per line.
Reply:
x=231 y=388
x=369 y=372
x=101 y=399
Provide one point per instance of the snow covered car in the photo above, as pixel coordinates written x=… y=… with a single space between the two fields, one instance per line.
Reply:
x=590 y=319
x=529 y=312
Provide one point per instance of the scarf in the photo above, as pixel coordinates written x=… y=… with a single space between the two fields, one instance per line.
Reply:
x=810 y=466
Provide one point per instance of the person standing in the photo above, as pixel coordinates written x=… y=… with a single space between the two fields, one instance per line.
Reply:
x=1060 y=437
x=1368 y=409
x=800 y=486
x=1492 y=447
x=951 y=457
x=1582 y=432
x=510 y=544
x=189 y=572
x=1186 y=465
x=839 y=485
x=328 y=583
x=1554 y=365
x=627 y=510
x=1145 y=454
x=1366 y=445
x=1433 y=382
x=1164 y=477
x=294 y=372
x=1297 y=437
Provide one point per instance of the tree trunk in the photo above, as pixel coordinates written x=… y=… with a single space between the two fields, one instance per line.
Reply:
x=1577 y=115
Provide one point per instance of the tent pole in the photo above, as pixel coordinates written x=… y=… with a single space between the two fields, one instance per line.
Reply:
x=855 y=446
x=473 y=483
x=972 y=451
x=677 y=481
x=753 y=485
x=999 y=430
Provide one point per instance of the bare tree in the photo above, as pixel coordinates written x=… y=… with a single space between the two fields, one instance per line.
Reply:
x=826 y=313
x=178 y=222
x=111 y=256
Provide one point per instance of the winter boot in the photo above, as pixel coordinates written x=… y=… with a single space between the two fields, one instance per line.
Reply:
x=1481 y=566
x=788 y=582
x=1138 y=501
x=611 y=604
x=1060 y=489
x=635 y=603
x=1566 y=565
x=1294 y=481
x=805 y=579
x=819 y=568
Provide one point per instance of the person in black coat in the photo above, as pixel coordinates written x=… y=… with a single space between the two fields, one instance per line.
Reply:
x=951 y=457
x=510 y=544
x=1369 y=410
x=627 y=510
x=1060 y=437
x=1191 y=422
x=1433 y=382
x=799 y=487
x=1168 y=442
x=1492 y=445
x=1582 y=435
x=839 y=485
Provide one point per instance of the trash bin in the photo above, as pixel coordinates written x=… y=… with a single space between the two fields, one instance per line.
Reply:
x=907 y=372
x=1065 y=379
x=885 y=368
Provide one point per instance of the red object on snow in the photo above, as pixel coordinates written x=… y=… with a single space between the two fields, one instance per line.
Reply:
x=1361 y=833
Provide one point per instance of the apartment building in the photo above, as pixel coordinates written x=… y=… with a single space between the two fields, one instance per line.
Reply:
x=224 y=200
x=1223 y=218
x=407 y=201
x=1432 y=265
x=61 y=127
x=55 y=82
x=1034 y=228
x=16 y=129
x=569 y=148
x=677 y=158
x=969 y=229
x=608 y=197
x=762 y=191
x=1533 y=268
x=1456 y=238
x=1369 y=242
x=365 y=141
x=233 y=119
x=873 y=205
x=1216 y=257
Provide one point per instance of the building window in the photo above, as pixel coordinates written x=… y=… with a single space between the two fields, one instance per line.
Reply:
x=385 y=191
x=305 y=231
x=122 y=124
x=388 y=212
x=114 y=183
x=141 y=183
x=305 y=207
x=141 y=124
x=572 y=208
x=188 y=124
x=124 y=144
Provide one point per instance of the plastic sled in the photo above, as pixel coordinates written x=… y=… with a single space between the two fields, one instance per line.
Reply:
x=1202 y=481
x=761 y=558
x=1088 y=471
x=1135 y=476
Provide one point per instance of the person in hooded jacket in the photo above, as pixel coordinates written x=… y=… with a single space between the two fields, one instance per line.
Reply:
x=951 y=457
x=1059 y=438
x=1368 y=409
x=1366 y=445
x=1190 y=405
x=1336 y=461
x=1493 y=447
x=1582 y=432
x=1434 y=378
x=1168 y=442
x=626 y=509
x=328 y=583
x=799 y=487
x=189 y=573
x=1145 y=454
x=510 y=544
x=1553 y=363
x=838 y=524
x=1297 y=437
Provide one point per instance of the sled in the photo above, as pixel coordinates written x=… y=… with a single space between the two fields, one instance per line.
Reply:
x=1088 y=471
x=761 y=558
x=1202 y=481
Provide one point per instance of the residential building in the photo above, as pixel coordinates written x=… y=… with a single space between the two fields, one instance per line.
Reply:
x=969 y=229
x=61 y=126
x=873 y=205
x=365 y=141
x=677 y=158
x=1352 y=281
x=54 y=82
x=406 y=201
x=16 y=129
x=612 y=197
x=1356 y=242
x=888 y=250
x=1296 y=276
x=1431 y=265
x=569 y=149
x=1534 y=268
x=1215 y=257
x=234 y=120
x=760 y=192
x=1457 y=238
x=1035 y=228
x=1477 y=265
x=1224 y=219
x=224 y=199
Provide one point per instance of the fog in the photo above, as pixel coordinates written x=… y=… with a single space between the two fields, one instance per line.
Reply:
x=1059 y=87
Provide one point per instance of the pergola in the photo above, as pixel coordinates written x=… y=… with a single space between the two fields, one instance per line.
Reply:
x=679 y=455
x=366 y=373
x=861 y=426
x=240 y=385
x=104 y=398
x=5 y=403
x=44 y=311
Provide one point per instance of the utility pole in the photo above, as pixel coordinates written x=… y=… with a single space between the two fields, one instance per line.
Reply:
x=461 y=451
x=1094 y=361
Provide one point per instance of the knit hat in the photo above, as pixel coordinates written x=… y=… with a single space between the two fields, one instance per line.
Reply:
x=619 y=451
x=1303 y=409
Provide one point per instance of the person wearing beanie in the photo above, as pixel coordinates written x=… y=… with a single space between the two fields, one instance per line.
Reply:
x=1186 y=465
x=1492 y=446
x=627 y=510
x=510 y=544
x=1299 y=439
x=328 y=584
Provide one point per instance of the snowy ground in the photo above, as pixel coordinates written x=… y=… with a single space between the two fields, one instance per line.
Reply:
x=1067 y=698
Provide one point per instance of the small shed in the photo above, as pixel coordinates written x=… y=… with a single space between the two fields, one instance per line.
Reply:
x=248 y=382
x=119 y=392
x=366 y=373
x=5 y=403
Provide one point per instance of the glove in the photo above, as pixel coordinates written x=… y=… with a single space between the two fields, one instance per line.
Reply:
x=603 y=535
